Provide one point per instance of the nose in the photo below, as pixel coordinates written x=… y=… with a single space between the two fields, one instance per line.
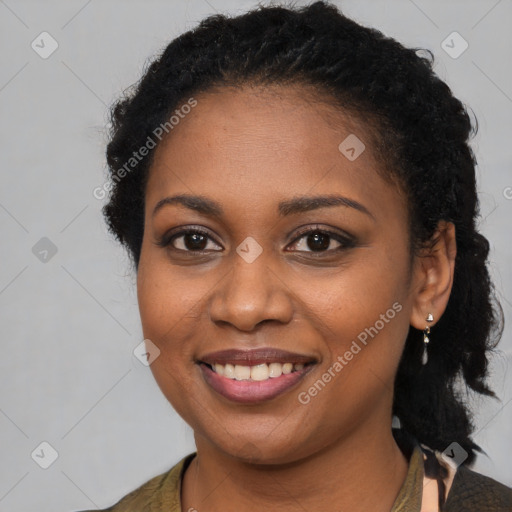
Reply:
x=250 y=294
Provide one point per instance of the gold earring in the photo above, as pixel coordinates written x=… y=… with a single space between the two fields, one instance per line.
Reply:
x=426 y=339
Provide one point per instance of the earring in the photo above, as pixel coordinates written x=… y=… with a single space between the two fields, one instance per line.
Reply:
x=426 y=339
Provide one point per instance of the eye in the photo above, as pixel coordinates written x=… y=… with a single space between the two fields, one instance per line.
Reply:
x=312 y=240
x=318 y=240
x=188 y=240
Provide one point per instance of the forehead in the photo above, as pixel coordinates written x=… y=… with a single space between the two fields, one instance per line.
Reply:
x=298 y=114
x=256 y=144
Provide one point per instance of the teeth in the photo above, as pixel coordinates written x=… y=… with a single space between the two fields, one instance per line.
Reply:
x=287 y=368
x=258 y=372
x=242 y=372
x=275 y=369
x=229 y=371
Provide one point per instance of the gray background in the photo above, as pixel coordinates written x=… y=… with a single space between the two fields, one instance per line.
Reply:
x=69 y=323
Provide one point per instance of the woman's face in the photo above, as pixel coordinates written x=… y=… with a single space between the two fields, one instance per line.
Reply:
x=274 y=270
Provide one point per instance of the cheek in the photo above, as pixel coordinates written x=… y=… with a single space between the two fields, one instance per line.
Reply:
x=363 y=313
x=364 y=328
x=169 y=299
x=352 y=299
x=170 y=304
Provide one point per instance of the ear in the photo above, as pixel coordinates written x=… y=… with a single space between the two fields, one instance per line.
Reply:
x=433 y=276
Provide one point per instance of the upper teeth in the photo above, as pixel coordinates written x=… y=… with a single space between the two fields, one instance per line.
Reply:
x=257 y=372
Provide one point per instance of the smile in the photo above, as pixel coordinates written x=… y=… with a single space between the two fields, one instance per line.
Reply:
x=253 y=384
x=258 y=372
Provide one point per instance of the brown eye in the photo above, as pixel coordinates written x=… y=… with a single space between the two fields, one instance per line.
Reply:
x=321 y=241
x=194 y=241
x=318 y=241
x=190 y=240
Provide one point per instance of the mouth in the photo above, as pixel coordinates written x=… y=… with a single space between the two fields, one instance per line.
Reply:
x=253 y=376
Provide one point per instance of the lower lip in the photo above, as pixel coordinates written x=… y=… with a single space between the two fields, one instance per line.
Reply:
x=252 y=391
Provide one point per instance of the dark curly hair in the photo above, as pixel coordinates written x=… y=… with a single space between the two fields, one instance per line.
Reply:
x=422 y=134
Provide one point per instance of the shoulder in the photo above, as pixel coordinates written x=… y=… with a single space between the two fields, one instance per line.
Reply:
x=162 y=492
x=472 y=491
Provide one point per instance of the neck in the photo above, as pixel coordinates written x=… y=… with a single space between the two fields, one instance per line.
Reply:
x=361 y=472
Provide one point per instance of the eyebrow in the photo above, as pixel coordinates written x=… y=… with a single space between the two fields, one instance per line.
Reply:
x=293 y=206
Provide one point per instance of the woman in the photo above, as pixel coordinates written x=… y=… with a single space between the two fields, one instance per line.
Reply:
x=297 y=194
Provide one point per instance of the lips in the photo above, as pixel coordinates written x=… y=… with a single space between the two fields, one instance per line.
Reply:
x=245 y=389
x=254 y=357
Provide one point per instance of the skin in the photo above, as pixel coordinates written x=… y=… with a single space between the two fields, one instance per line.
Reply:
x=249 y=149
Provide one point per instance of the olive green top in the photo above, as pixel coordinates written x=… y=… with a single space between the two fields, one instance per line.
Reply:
x=411 y=492
x=469 y=491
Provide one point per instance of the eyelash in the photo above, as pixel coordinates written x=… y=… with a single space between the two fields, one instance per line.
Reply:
x=346 y=241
